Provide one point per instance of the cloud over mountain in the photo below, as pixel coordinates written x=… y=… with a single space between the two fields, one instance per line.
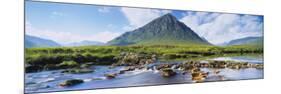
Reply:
x=138 y=17
x=218 y=28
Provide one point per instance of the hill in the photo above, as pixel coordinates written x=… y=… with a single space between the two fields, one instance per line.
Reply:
x=32 y=41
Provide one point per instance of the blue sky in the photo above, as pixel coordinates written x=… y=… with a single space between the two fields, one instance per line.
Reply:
x=67 y=23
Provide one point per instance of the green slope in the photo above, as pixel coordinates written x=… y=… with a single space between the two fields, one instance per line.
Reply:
x=32 y=41
x=250 y=41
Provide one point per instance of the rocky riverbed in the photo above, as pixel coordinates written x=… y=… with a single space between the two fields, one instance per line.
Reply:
x=145 y=71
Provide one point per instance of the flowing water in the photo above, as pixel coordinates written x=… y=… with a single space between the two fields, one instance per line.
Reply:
x=49 y=80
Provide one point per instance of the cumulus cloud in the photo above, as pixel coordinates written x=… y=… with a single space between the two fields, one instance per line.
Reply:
x=69 y=37
x=220 y=28
x=138 y=17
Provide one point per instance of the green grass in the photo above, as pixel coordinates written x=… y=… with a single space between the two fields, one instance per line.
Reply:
x=106 y=55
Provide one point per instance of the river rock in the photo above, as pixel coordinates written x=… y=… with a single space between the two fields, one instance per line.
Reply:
x=134 y=59
x=195 y=70
x=235 y=67
x=130 y=68
x=30 y=69
x=142 y=61
x=259 y=66
x=199 y=76
x=154 y=57
x=204 y=65
x=71 y=82
x=218 y=64
x=167 y=72
x=130 y=59
x=216 y=71
x=184 y=72
x=110 y=76
x=122 y=71
x=78 y=71
x=149 y=61
x=163 y=66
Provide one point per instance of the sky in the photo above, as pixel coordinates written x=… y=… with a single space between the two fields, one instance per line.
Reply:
x=68 y=23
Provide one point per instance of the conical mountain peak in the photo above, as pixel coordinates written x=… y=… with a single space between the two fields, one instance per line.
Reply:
x=167 y=18
x=163 y=30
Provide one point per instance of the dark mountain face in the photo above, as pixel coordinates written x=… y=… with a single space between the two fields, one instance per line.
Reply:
x=163 y=30
x=85 y=43
x=32 y=41
x=247 y=41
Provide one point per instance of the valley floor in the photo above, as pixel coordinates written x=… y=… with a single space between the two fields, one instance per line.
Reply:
x=38 y=59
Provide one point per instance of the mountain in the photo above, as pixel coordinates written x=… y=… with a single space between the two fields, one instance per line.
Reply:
x=85 y=43
x=32 y=41
x=222 y=44
x=247 y=41
x=163 y=30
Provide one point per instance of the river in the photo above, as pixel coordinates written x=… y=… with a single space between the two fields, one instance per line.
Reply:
x=48 y=81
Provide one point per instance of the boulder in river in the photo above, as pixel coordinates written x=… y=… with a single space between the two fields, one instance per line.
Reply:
x=149 y=61
x=122 y=71
x=130 y=68
x=110 y=76
x=234 y=66
x=78 y=71
x=259 y=66
x=204 y=65
x=195 y=69
x=154 y=57
x=163 y=66
x=130 y=59
x=142 y=61
x=167 y=72
x=30 y=69
x=199 y=76
x=218 y=64
x=71 y=82
x=134 y=59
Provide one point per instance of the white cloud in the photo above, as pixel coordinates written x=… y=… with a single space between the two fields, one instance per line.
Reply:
x=68 y=37
x=220 y=28
x=138 y=17
x=104 y=9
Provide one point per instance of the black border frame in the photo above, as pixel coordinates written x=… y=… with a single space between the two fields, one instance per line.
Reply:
x=24 y=16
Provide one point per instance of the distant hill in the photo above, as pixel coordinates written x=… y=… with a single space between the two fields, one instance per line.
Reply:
x=85 y=43
x=163 y=30
x=247 y=41
x=32 y=41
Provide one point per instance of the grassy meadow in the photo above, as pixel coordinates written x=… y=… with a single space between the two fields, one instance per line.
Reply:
x=56 y=57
